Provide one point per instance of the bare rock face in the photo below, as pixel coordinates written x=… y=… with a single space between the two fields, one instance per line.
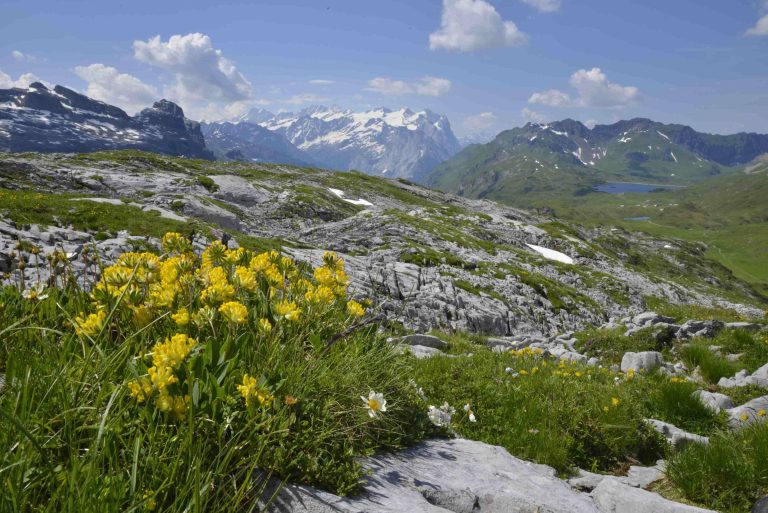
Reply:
x=613 y=497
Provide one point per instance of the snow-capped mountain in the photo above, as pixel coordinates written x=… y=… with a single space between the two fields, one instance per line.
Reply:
x=393 y=143
x=250 y=142
x=62 y=120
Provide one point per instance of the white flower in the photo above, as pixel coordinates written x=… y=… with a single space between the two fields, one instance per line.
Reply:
x=470 y=413
x=375 y=403
x=472 y=417
x=35 y=293
x=509 y=370
x=441 y=416
x=466 y=407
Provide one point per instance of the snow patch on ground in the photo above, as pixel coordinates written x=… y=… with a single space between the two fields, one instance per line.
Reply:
x=359 y=201
x=551 y=254
x=664 y=136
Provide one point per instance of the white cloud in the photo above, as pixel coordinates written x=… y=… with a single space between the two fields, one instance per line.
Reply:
x=299 y=99
x=551 y=97
x=425 y=86
x=594 y=90
x=23 y=57
x=320 y=81
x=544 y=5
x=107 y=84
x=6 y=82
x=228 y=112
x=760 y=28
x=201 y=71
x=480 y=122
x=470 y=25
x=532 y=115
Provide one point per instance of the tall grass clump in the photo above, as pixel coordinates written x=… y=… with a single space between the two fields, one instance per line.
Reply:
x=729 y=474
x=186 y=383
x=556 y=413
x=674 y=401
x=711 y=366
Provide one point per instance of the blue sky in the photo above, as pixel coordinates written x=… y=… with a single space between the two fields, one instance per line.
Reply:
x=487 y=64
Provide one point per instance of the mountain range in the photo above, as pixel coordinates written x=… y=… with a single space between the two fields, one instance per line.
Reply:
x=393 y=143
x=62 y=120
x=537 y=162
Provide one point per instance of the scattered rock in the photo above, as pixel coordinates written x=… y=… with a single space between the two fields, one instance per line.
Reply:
x=638 y=477
x=746 y=326
x=748 y=413
x=675 y=435
x=420 y=352
x=421 y=340
x=714 y=401
x=645 y=361
x=742 y=378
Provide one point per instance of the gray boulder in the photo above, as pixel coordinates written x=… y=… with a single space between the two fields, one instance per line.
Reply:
x=645 y=360
x=749 y=412
x=714 y=401
x=422 y=340
x=742 y=378
x=746 y=326
x=675 y=435
x=612 y=496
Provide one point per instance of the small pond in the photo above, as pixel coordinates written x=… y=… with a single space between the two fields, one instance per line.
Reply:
x=622 y=187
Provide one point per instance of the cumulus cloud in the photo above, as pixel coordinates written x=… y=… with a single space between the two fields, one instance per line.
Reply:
x=479 y=122
x=760 y=28
x=544 y=5
x=471 y=25
x=425 y=86
x=107 y=84
x=532 y=115
x=23 y=57
x=551 y=98
x=6 y=81
x=201 y=71
x=320 y=81
x=299 y=99
x=594 y=90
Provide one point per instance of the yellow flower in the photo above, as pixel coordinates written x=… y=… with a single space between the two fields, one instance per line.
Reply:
x=265 y=325
x=234 y=312
x=165 y=402
x=245 y=279
x=176 y=243
x=630 y=373
x=162 y=377
x=172 y=351
x=320 y=295
x=181 y=317
x=250 y=390
x=140 y=389
x=92 y=325
x=761 y=413
x=288 y=310
x=577 y=374
x=615 y=401
x=606 y=409
x=744 y=417
x=355 y=309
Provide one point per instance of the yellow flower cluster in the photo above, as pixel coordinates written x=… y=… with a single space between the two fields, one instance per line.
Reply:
x=526 y=352
x=251 y=390
x=234 y=312
x=90 y=325
x=167 y=356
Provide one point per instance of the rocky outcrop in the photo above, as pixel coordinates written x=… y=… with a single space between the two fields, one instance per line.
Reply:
x=62 y=120
x=463 y=476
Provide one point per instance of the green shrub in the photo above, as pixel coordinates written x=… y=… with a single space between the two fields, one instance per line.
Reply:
x=610 y=345
x=729 y=474
x=753 y=347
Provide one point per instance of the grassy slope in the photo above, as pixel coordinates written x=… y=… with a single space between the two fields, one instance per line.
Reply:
x=727 y=213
